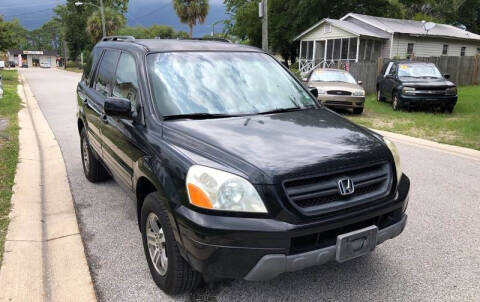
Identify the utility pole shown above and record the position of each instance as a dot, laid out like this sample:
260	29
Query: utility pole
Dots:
263	14
102	15
65	53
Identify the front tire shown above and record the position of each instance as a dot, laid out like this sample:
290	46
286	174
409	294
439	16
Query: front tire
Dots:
396	103
358	110
94	171
379	96
169	270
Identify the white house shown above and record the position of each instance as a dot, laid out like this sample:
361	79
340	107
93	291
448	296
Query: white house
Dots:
357	37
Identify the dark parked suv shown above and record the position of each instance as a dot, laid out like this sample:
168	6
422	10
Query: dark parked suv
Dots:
236	171
410	84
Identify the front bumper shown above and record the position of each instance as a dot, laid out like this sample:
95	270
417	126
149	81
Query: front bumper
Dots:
261	248
270	266
423	101
341	101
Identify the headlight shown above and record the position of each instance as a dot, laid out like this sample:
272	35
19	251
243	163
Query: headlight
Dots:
321	91
451	91
359	93
396	157
218	190
408	90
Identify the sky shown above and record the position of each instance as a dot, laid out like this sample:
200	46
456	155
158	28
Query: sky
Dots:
33	13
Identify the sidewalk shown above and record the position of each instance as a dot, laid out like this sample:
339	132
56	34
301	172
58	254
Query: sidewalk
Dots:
419	142
44	259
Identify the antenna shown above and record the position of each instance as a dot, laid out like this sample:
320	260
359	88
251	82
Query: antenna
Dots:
428	26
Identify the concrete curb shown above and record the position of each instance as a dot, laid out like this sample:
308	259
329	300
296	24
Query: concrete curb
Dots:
44	257
450	149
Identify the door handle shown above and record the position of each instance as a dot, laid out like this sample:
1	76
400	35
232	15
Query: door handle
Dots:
104	118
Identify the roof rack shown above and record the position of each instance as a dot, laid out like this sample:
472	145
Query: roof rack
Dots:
202	39
118	38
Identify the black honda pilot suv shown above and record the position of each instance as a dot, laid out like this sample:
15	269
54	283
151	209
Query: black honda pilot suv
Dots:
236	170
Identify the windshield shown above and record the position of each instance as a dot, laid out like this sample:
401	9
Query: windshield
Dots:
320	75
418	71
222	83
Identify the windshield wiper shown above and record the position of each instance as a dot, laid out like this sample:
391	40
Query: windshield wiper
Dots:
280	110
197	116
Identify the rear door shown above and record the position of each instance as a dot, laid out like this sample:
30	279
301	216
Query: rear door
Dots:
120	149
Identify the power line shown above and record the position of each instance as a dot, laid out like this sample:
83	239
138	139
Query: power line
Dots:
28	13
30	5
134	19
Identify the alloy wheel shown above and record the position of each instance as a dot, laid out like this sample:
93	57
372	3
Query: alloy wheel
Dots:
85	155
157	246
395	103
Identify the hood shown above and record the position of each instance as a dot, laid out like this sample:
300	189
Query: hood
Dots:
427	83
335	86
280	146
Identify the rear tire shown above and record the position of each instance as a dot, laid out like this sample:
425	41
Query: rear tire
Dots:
93	169
449	109
177	276
358	110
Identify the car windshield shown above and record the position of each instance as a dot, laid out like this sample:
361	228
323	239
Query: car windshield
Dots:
320	75
222	83
418	71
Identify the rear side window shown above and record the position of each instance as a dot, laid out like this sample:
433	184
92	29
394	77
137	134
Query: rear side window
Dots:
91	61
105	72
126	82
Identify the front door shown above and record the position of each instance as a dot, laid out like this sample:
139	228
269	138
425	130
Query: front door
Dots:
389	82
120	148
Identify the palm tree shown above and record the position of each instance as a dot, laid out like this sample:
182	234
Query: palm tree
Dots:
113	22
191	12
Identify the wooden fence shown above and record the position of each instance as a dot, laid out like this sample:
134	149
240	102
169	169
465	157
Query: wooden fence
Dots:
462	70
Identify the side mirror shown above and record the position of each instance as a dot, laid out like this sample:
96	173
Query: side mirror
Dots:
360	82
446	76
118	108
313	91
389	76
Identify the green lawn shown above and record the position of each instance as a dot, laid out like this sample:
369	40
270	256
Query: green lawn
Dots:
9	107
461	128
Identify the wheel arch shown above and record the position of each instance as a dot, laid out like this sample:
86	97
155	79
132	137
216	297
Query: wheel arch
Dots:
80	125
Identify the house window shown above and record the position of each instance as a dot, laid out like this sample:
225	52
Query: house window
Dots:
410	49
462	51
327	29
445	49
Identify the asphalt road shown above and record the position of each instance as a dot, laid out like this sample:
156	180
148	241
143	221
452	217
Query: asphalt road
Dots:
437	258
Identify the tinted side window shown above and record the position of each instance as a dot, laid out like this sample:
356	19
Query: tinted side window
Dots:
393	70
106	71
91	61
126	82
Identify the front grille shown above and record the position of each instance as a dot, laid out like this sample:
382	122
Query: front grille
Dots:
339	92
320	193
337	103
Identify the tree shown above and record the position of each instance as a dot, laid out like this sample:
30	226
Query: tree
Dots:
154	31
73	23
191	12
113	22
12	35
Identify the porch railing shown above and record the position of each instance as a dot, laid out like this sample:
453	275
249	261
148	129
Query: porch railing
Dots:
306	66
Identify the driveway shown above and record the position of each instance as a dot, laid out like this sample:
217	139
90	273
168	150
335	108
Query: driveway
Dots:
436	258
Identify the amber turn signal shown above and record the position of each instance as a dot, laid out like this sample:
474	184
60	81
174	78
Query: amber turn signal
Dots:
198	197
